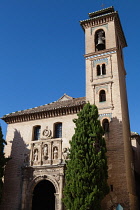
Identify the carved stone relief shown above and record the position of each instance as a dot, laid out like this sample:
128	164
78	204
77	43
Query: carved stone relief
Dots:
47	132
46	152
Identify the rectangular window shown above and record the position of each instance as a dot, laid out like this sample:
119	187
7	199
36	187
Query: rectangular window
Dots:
37	130
58	130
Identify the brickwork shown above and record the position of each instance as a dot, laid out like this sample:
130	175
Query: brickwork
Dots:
22	175
120	161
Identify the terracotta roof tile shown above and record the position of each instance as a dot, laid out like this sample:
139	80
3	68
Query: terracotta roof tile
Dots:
48	107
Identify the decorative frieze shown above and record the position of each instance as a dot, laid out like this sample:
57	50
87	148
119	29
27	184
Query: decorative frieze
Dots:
93	22
95	55
100	61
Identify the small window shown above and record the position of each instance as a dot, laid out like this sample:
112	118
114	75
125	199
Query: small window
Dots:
102	96
103	69
98	70
58	130
105	125
37	130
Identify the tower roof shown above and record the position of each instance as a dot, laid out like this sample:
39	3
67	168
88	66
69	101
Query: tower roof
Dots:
101	12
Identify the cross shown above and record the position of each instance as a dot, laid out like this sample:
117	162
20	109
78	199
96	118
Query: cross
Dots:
103	5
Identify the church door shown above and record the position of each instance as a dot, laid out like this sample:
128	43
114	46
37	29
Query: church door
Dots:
43	196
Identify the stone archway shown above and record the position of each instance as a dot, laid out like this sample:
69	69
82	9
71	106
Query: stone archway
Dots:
44	196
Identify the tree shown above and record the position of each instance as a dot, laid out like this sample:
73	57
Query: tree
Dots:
3	161
86	170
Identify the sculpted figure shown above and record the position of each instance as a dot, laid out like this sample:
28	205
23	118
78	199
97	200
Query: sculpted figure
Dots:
36	155
45	151
65	153
55	153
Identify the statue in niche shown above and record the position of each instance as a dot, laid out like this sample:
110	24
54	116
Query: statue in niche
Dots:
45	151
65	153
55	153
36	155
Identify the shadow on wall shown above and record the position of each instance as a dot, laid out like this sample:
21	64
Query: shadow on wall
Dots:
13	173
116	164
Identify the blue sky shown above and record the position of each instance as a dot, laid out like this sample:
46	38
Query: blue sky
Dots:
42	47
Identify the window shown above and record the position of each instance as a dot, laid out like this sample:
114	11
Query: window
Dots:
98	70
103	69
58	130
37	130
100	40
105	125
102	96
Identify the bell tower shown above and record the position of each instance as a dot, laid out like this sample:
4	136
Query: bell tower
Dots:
106	87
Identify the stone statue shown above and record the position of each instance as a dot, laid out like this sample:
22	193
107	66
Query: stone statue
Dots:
55	153
36	155
65	153
45	150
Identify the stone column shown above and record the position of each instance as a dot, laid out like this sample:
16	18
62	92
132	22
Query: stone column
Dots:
61	191
57	201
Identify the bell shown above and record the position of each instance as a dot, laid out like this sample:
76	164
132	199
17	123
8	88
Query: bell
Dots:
100	42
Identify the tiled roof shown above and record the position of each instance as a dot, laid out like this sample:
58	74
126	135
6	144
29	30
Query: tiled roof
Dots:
48	107
101	12
134	133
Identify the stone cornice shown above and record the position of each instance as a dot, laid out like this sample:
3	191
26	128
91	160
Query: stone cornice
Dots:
101	83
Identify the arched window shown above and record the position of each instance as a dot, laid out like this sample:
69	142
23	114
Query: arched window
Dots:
103	69
98	70
36	132
105	125
102	96
58	130
100	40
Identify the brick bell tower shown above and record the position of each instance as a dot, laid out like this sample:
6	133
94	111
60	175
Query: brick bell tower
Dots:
106	87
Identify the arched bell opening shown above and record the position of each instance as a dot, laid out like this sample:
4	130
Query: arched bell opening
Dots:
44	196
100	40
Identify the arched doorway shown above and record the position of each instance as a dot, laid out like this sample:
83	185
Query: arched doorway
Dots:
43	196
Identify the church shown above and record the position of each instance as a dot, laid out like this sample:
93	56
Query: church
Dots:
38	138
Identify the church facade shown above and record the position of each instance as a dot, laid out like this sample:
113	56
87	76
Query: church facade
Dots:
38	138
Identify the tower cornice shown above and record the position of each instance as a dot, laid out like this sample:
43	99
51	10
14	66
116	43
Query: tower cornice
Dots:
96	21
100	53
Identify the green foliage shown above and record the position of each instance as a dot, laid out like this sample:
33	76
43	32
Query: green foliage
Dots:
3	161
86	170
